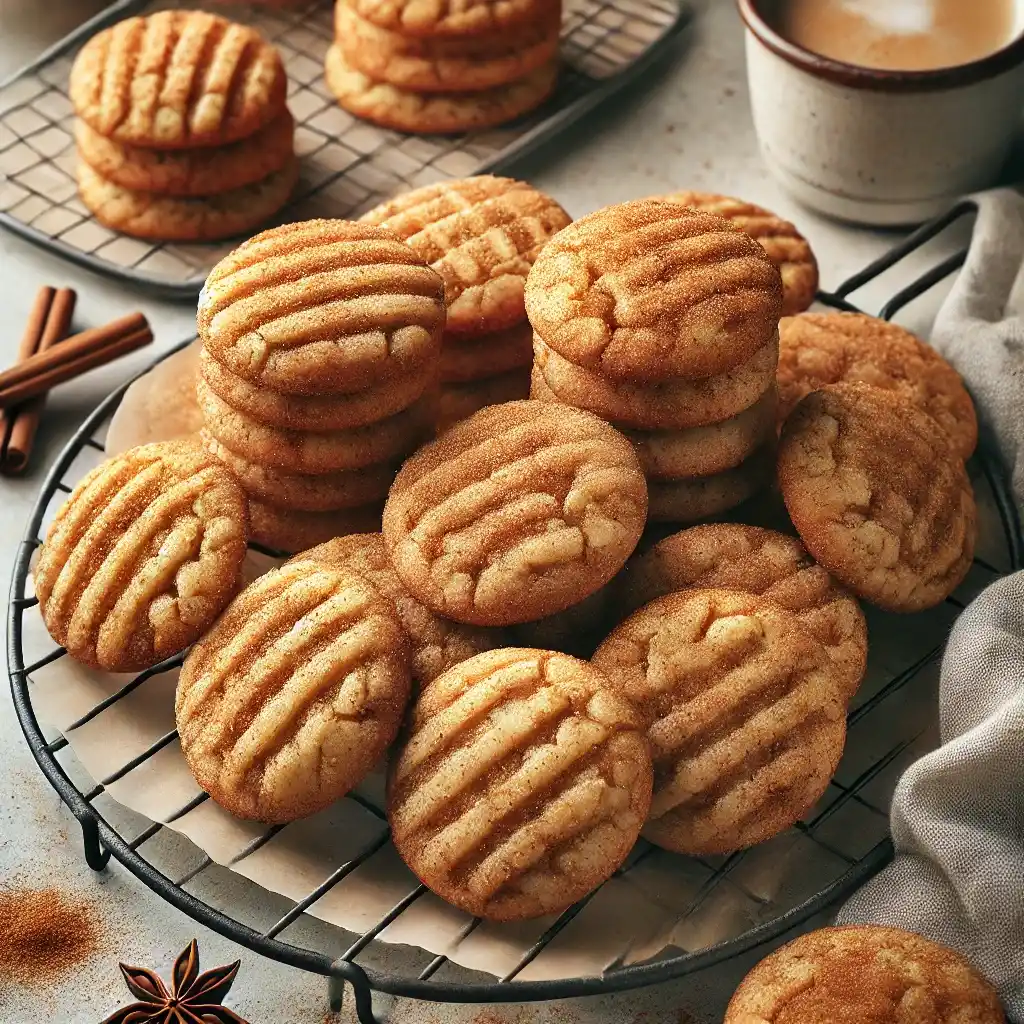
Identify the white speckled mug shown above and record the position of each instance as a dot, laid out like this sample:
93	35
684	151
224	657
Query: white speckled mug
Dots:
879	147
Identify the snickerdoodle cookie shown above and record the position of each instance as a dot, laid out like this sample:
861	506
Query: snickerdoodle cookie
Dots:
521	784
452	18
516	513
646	291
294	694
192	172
745	717
437	644
878	495
458	402
864	974
785	246
186	218
321	306
481	235
290	530
438	113
679	404
143	556
691	499
489	355
828	348
735	557
177	80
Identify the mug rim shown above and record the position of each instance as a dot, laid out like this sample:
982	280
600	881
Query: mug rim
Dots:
879	79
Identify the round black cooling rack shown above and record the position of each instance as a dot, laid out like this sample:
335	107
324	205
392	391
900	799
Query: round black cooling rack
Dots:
434	980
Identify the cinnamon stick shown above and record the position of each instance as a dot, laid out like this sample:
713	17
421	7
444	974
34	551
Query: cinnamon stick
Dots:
18	449
43	371
30	339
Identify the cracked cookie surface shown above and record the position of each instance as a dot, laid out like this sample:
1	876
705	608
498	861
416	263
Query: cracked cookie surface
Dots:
520	785
646	291
864	974
516	513
759	561
143	556
294	694
745	717
831	348
451	18
878	495
321	306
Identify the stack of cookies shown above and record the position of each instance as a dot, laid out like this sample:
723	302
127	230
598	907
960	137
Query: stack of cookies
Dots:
664	321
431	67
182	132
321	348
481	235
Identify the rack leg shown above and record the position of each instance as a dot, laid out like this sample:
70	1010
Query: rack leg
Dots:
343	971
95	856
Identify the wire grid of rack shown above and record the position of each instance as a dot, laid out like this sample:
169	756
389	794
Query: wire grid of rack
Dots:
848	828
347	165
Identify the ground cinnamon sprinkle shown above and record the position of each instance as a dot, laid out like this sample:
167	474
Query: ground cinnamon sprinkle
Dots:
43	934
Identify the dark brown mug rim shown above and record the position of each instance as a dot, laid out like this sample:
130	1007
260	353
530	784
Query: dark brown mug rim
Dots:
878	79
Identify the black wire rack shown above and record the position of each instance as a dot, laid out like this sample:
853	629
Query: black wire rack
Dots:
856	851
347	166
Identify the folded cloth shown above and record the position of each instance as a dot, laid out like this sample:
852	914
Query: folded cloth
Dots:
958	813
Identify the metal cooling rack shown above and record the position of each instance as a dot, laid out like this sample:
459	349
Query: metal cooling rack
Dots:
347	165
754	895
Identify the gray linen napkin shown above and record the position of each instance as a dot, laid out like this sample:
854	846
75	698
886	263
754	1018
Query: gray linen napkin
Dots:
958	813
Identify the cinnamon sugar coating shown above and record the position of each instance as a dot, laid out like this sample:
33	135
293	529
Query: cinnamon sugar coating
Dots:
451	18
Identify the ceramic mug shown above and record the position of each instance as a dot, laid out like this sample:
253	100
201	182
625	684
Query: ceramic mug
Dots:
873	146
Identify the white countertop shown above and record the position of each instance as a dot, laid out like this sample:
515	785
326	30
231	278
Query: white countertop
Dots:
687	127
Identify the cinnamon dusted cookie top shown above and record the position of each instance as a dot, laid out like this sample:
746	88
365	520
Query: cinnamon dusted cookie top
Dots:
515	513
437	643
759	561
481	235
294	694
878	495
829	348
456	18
177	80
143	556
649	290
521	784
322	306
864	974
780	239
746	718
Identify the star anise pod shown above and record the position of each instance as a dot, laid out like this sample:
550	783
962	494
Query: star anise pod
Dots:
194	998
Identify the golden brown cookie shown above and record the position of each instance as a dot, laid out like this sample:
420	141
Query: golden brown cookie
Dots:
305	492
143	556
177	80
329	451
445	18
746	719
426	64
318	412
437	644
521	784
435	113
191	172
295	694
322	306
678	404
516	513
735	557
460	401
186	219
489	355
691	499
481	235
864	974
646	291
878	495
829	348
785	246
291	530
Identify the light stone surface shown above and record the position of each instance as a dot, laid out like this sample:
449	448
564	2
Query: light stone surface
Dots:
688	126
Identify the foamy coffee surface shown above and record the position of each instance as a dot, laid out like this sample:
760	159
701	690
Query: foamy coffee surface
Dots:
900	35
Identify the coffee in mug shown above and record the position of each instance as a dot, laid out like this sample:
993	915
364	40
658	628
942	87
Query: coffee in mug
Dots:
900	35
